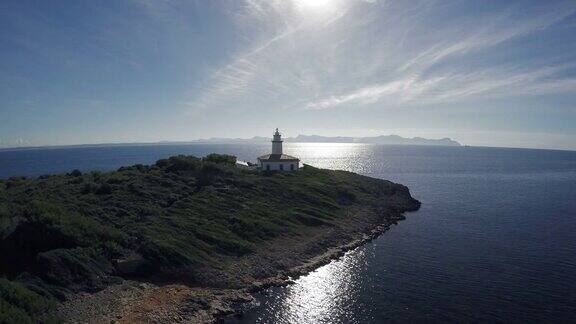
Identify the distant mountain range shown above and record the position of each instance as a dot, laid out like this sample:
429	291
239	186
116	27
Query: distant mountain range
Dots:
382	139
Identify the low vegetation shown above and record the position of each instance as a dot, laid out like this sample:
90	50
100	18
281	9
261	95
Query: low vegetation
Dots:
72	232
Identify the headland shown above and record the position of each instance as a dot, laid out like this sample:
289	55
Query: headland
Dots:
184	240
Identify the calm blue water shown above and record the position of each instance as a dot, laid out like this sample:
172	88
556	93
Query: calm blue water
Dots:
494	241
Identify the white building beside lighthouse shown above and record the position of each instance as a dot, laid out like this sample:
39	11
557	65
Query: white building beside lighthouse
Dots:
277	161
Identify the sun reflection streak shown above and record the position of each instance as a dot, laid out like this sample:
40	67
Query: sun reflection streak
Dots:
324	295
336	156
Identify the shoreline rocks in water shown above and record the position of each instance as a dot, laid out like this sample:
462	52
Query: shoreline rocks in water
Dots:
167	243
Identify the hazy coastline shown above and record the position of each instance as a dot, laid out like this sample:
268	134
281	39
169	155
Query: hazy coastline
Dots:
384	139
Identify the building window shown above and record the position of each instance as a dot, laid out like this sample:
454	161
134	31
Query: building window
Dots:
268	167
281	166
292	167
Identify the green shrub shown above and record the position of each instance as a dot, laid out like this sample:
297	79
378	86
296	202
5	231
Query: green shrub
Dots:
14	182
346	196
96	176
162	163
21	305
104	189
211	168
220	158
89	188
57	223
77	180
183	163
75	173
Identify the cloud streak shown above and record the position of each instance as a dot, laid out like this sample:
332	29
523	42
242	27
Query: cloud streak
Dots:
485	84
353	57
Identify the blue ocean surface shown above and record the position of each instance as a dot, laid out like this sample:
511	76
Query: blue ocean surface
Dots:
494	241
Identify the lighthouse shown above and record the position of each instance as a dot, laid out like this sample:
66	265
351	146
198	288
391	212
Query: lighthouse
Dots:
278	161
277	143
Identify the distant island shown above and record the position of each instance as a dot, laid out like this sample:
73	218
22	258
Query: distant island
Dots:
382	139
185	239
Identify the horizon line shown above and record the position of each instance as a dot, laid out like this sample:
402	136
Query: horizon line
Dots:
196	141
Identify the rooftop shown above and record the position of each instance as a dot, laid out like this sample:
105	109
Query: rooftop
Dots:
277	157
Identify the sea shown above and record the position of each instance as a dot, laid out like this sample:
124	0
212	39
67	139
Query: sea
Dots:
494	240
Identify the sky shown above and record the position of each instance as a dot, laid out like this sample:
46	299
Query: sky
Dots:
491	73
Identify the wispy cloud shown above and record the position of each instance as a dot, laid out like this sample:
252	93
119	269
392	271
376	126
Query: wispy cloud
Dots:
490	83
365	52
265	66
493	31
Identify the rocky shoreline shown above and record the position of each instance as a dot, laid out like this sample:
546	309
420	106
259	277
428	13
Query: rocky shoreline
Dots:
138	302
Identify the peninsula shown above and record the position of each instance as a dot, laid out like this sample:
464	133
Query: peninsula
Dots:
186	239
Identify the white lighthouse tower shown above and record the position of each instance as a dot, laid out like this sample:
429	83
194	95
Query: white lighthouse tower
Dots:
277	143
278	161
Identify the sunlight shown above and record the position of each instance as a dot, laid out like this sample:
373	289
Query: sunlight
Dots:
316	5
324	295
